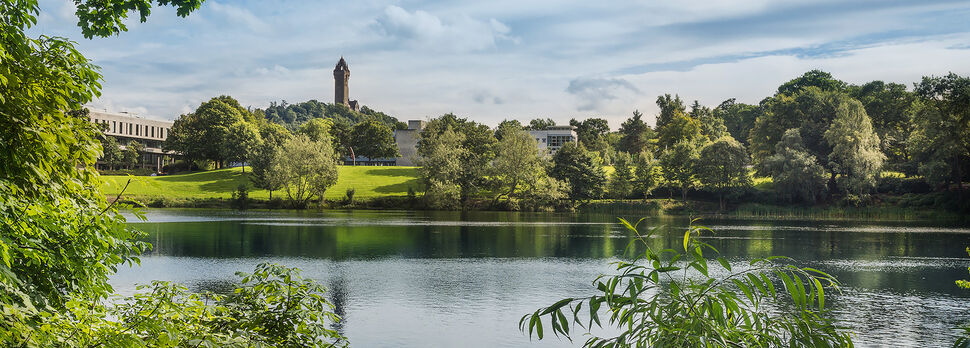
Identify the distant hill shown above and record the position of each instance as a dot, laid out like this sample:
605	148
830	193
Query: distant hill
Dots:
293	115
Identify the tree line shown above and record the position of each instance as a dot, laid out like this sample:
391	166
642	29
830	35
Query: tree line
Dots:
817	138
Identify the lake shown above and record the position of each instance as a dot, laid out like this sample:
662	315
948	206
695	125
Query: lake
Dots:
453	279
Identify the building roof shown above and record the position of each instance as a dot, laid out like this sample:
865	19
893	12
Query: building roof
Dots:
341	65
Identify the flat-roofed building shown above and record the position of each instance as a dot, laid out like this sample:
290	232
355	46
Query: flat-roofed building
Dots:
553	138
125	128
407	143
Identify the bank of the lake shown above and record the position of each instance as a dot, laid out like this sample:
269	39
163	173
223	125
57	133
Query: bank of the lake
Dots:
388	188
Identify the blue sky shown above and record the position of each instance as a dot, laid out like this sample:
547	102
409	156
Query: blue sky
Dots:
492	60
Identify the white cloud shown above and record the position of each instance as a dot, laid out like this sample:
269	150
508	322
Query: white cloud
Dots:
239	15
460	33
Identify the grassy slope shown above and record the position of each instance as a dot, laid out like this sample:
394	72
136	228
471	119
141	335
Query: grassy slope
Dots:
368	181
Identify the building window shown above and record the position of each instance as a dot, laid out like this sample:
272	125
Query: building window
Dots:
153	132
129	129
114	126
559	140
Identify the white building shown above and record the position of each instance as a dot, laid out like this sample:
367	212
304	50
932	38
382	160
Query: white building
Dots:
126	128
407	142
554	137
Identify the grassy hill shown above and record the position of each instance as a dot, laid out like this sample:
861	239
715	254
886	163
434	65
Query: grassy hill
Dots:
368	181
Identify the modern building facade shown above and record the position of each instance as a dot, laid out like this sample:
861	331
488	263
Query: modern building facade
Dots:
552	138
341	86
407	142
126	128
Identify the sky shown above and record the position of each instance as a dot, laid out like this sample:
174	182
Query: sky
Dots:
511	59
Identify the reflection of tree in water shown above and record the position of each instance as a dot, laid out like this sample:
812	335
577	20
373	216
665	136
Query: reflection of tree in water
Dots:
337	292
218	286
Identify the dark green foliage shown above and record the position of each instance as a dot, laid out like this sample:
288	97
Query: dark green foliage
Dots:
889	106
621	183
540	124
349	196
669	107
738	118
373	139
293	115
681	128
797	175
473	155
814	78
647	174
940	143
679	164
240	198
507	126
669	298
712	125
723	168
210	133
581	170
635	135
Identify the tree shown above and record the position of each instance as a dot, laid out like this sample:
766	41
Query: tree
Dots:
944	124
889	106
246	140
581	170
441	166
373	139
132	153
206	133
477	142
647	173
712	125
655	302
518	165
795	171
814	78
855	152
61	238
621	183
738	118
317	129
273	137
635	135
506	127
111	153
591	129
723	167
678	164
680	128
540	124
669	107
304	168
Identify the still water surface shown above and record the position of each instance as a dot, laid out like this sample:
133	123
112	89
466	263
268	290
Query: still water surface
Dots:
448	279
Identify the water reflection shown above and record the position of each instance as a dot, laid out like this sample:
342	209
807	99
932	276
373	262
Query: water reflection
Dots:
447	279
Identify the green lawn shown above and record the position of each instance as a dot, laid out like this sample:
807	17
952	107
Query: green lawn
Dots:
368	181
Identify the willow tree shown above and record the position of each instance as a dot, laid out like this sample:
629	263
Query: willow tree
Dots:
855	155
518	164
304	168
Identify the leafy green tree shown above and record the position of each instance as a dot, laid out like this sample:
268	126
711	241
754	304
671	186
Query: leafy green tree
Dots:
796	173
205	133
273	137
317	129
581	170
621	183
738	118
635	134
680	129
647	173
855	155
441	166
246	140
679	165
340	133
889	106
373	139
814	78
591	129
942	137
111	153
654	302
60	238
723	168
132	154
540	124
477	142
518	165
669	107
293	115
506	127
304	168
712	125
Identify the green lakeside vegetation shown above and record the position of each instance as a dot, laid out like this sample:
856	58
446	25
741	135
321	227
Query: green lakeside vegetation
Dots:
61	239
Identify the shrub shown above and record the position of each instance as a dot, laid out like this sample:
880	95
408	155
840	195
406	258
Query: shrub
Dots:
240	198
349	197
670	299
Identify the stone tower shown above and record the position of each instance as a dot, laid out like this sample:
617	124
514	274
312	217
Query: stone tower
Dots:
341	79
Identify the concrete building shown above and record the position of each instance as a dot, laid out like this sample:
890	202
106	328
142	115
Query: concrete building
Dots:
407	142
554	137
125	128
341	85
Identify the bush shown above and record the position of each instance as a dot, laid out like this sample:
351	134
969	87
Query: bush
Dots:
897	185
179	166
670	299
240	198
349	197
